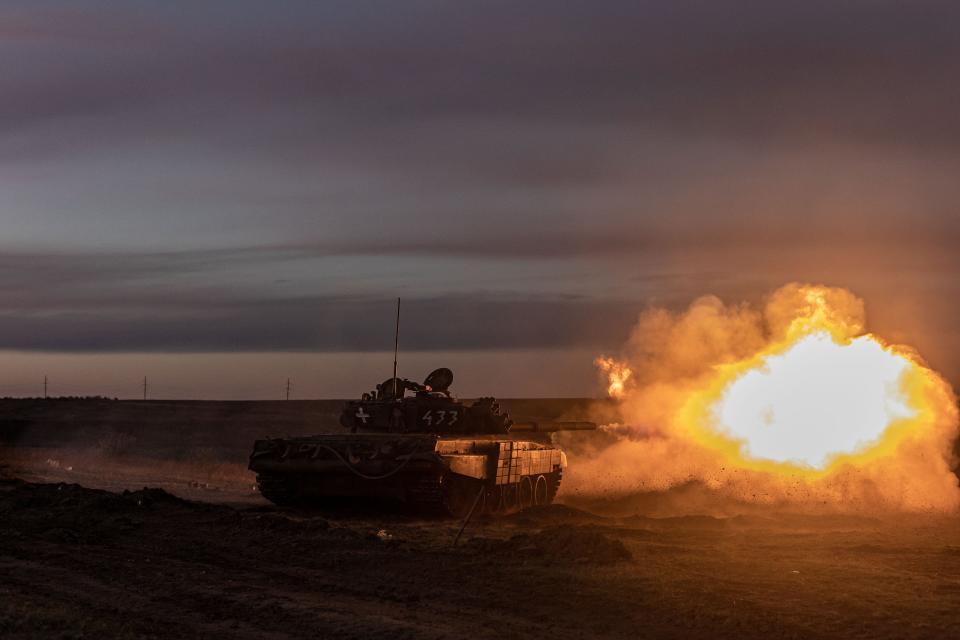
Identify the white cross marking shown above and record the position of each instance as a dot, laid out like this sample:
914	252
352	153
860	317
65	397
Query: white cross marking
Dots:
362	415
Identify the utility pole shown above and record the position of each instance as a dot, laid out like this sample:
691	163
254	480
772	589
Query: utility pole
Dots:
396	348
144	387
44	387
288	388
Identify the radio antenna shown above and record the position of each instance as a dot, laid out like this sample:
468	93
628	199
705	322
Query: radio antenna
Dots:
396	348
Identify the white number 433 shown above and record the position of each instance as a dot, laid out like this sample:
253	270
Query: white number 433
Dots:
438	418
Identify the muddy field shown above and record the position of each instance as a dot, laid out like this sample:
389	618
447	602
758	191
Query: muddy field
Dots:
85	551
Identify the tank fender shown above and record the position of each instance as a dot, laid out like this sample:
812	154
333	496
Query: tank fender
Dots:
472	466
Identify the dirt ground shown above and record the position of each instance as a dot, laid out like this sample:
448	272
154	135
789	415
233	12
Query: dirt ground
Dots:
86	552
86	563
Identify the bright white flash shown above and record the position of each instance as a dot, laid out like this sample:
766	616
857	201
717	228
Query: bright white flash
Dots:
817	399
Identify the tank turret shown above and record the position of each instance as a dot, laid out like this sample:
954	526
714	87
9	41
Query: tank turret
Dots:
402	406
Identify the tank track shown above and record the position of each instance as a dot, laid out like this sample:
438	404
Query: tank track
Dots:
277	489
425	493
553	485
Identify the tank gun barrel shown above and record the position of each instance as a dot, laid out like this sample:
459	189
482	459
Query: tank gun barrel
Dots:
551	426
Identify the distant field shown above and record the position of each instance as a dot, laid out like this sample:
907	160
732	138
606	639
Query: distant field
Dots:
198	449
227	429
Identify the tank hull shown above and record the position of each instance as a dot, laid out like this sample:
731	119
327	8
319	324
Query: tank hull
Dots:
431	473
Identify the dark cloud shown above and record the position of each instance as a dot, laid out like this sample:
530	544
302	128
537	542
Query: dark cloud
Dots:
325	324
221	175
118	302
748	68
439	118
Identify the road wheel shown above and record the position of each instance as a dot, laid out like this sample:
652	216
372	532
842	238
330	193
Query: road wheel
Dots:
511	498
540	493
526	493
497	504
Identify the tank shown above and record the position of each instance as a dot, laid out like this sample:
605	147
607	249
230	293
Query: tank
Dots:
419	444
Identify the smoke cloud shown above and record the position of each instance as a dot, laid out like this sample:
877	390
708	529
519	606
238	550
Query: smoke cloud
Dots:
674	356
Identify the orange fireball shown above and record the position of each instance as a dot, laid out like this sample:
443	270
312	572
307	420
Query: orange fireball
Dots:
792	404
818	397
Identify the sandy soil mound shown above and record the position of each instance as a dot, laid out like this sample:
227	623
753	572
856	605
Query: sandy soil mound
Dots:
553	514
563	543
73	514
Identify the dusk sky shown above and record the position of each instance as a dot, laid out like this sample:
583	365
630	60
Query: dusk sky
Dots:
220	195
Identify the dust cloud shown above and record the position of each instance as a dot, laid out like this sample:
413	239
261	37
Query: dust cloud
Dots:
676	358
